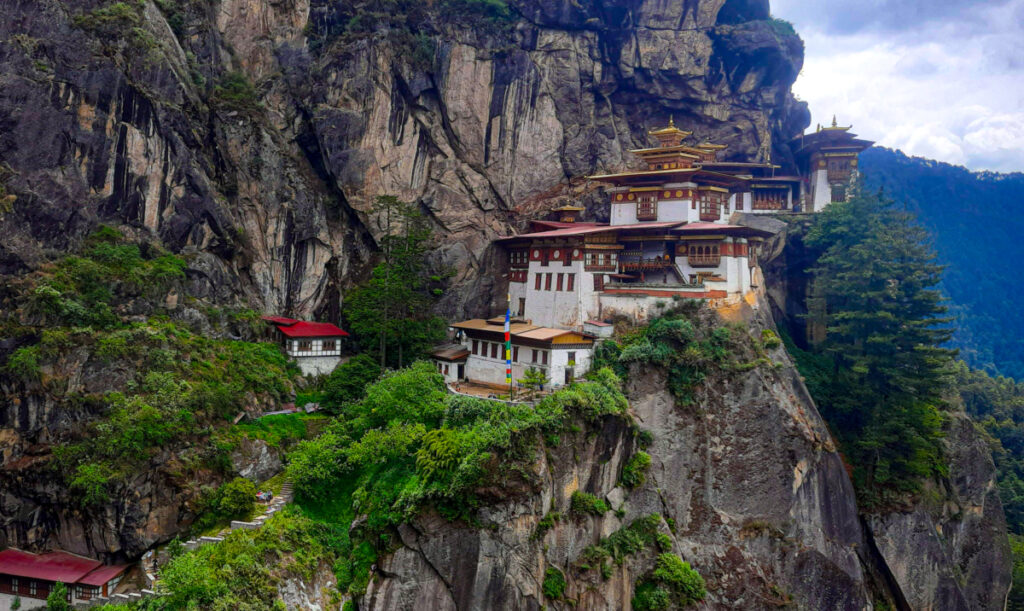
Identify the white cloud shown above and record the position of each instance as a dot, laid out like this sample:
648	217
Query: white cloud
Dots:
941	87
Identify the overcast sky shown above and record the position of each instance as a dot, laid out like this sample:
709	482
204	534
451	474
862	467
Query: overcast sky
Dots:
942	79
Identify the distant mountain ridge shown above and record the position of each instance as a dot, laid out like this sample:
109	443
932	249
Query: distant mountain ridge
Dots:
977	222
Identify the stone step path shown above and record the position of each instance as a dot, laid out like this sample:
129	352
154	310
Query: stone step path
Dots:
152	582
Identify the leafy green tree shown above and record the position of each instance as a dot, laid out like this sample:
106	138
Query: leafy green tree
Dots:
237	498
348	381
390	314
58	598
534	379
873	290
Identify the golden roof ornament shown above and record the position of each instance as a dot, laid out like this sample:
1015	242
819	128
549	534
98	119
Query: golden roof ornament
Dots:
669	136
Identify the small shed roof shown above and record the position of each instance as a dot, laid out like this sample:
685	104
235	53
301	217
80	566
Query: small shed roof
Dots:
279	320
302	328
51	566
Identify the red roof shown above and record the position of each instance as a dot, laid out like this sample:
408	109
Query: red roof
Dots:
103	574
52	566
581	229
279	320
302	328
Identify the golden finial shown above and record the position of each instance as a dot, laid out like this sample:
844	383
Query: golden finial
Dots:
834	122
819	128
671	123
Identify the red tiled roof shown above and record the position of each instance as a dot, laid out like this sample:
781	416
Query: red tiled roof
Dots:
302	328
721	228
279	320
581	229
52	566
103	574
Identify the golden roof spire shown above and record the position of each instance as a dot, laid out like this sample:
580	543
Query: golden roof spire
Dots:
671	135
834	122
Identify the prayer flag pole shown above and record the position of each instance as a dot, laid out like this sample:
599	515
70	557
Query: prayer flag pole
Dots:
508	344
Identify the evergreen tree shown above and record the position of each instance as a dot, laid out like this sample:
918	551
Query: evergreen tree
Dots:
58	598
390	314
873	291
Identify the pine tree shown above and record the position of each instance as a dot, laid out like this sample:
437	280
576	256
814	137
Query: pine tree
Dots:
874	290
390	314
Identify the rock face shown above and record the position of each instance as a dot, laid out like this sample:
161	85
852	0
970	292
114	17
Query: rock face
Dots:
271	196
761	506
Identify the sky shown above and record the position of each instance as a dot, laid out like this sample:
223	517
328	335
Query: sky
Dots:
942	79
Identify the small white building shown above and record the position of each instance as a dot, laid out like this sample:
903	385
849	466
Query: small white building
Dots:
314	346
563	355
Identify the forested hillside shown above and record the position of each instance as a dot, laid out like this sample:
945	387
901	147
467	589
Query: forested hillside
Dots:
977	228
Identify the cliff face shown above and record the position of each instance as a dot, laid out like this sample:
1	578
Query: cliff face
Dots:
131	118
758	499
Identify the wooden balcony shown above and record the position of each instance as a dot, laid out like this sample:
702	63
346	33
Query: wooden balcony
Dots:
604	267
704	260
645	265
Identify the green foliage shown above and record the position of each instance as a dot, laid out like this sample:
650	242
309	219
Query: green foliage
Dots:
686	584
651	597
58	598
237	499
390	314
16	603
534	378
185	382
979	260
679	343
554	583
349	380
234	574
782	28
583	503
634	472
883	393
626	541
664	542
769	339
1015	600
235	92
408	443
546	523
24	363
118	26
278	430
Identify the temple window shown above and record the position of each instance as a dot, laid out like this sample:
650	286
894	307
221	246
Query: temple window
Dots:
839	193
647	207
305	345
600	260
547	281
709	205
570	282
598	282
476	346
536	284
558	284
328	345
703	255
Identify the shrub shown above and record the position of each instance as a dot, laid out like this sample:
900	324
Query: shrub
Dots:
348	381
686	584
546	523
237	498
651	597
24	363
770	340
91	482
58	598
664	542
634	472
582	503
236	92
554	583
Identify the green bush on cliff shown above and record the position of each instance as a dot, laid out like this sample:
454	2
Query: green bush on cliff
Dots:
554	583
409	444
586	504
634	472
678	343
